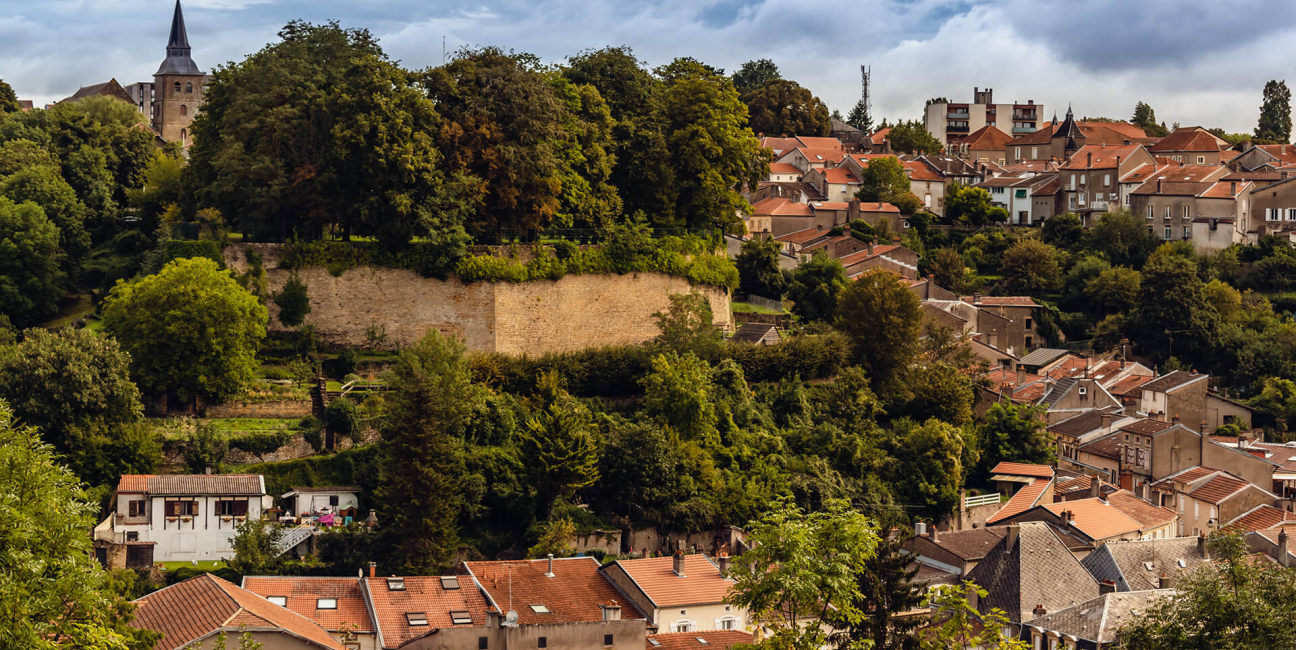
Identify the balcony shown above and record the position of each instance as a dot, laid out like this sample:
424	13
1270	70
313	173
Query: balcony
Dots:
1029	117
956	129
957	115
1024	129
1098	204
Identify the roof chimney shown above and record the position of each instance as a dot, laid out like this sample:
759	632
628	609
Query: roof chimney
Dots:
1010	540
1203	430
1106	587
1165	582
722	562
550	573
1232	188
373	569
920	529
1175	419
611	611
1201	546
1284	558
1106	419
1021	375
1039	611
934	533
679	564
1095	486
1089	159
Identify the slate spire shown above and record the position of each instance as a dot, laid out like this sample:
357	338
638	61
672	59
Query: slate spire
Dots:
177	59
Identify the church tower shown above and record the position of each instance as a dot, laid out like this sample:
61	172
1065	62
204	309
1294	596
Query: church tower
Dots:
179	86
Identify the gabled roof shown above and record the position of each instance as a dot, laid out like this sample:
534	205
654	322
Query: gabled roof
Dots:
1035	569
1106	447
426	595
1086	422
1099	620
838	175
108	88
1189	138
1174	380
1131	386
1001	301
655	577
713	640
1104	156
1261	517
575	592
969	545
1147	514
302	594
781	206
1146	426
1218	488
1095	517
986	138
880	135
866	254
784	168
918	170
1043	357
1057	390
1225	190
815	142
203	606
1026	498
825	156
802	236
1023	469
1138	564
754	332
192	484
779	145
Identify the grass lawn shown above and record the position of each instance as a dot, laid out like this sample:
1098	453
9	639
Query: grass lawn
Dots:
70	309
748	308
230	425
208	565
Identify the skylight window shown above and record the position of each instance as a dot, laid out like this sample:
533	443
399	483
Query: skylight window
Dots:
281	601
1182	564
416	619
702	640
395	584
655	643
326	603
460	618
540	609
449	582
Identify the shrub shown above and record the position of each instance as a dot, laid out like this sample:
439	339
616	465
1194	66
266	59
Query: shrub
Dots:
313	432
180	248
206	449
260	443
293	301
343	418
346	363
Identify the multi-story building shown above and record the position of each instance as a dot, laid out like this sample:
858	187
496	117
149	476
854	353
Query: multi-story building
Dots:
1089	180
1056	141
950	122
1191	145
182	517
177	86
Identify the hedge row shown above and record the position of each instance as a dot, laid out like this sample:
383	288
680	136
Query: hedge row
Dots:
357	467
615	371
184	248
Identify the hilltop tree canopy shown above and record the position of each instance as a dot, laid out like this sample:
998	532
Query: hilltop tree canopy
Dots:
1275	122
754	75
783	107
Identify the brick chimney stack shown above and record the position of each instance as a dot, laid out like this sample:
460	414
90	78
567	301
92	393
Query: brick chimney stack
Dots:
679	564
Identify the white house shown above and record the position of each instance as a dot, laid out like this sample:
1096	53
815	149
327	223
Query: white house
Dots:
319	500
186	516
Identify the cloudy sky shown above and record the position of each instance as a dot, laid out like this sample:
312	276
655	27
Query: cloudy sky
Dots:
1196	61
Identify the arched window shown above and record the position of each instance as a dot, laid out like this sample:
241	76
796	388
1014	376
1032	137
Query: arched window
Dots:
184	110
184	133
188	87
177	87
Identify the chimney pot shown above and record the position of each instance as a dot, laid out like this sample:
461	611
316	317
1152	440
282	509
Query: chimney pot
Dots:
1039	611
1175	419
679	564
934	533
611	611
1107	587
1010	540
373	569
1095	486
1166	581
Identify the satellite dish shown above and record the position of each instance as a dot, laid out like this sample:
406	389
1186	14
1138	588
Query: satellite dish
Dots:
511	618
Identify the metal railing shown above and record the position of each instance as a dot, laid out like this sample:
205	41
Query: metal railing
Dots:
984	499
294	536
1024	129
957	115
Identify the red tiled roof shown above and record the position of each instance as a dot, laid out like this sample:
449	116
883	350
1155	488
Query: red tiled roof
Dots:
1001	375
880	135
1030	392
1024	500
920	171
193	484
838	175
574	593
802	236
864	158
201	606
1095	517
1147	426
1148	515
1106	446
784	168
1262	517
780	144
133	483
866	254
1283	152
878	207
986	138
1023	469
715	640
812	142
1190	138
1129	386
1218	488
780	206
830	205
303	592
1104	156
1225	190
426	595
1190	475
816	156
656	577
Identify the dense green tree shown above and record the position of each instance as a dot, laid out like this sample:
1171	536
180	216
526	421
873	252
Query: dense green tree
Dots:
1114	291
687	67
913	137
30	263
1145	118
679	394
958	625
860	118
815	287
1123	238
887	590
1077	278
1015	433
1173	318
940	390
555	540
927	469
712	150
559	446
256	548
8	99
782	107
589	198
1030	267
754	75
971	206
55	595
427	410
45	187
190	330
293	301
884	179
342	417
803	566
205	450
948	270
20	154
1063	230
758	269
640	470
884	320
1275	122
687	325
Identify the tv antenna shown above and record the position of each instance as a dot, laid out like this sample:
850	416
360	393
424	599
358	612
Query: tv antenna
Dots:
511	618
866	74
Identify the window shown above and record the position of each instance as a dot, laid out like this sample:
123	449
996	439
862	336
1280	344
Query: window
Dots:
1196	512
1029	341
184	110
1084	391
607	639
1149	212
234	508
1084	180
281	601
683	612
1017	154
189	87
416	618
333	500
1167	232
1034	152
655	643
1126	197
1201	160
481	643
1185	212
1213	515
449	582
1187	232
728	623
132	536
177	87
542	642
181	508
184	133
1167	212
1181	507
135	508
702	640
1106	180
540	609
1291	214
1028	322
395	584
683	626
326	603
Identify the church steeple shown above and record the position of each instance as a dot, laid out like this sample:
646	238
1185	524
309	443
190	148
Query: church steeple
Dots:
177	59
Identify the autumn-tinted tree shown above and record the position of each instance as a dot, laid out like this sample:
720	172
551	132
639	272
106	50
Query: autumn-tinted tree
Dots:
426	411
1275	122
1030	267
191	330
785	107
758	269
884	320
753	75
815	287
913	137
30	263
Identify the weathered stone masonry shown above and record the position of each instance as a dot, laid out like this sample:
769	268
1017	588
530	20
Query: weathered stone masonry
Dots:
578	311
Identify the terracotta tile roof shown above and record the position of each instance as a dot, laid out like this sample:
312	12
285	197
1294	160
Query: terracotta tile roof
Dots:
656	577
1173	380
1138	564
574	593
1225	190
1001	301
986	138
814	142
1229	154
864	158
1050	187
866	206
920	171
866	254
802	236
1104	156
781	206
1146	426
1076	484
424	594
784	168
1261	177
1002	376
1188	476
1094	133
818	156
1262	517
202	606
780	144
1031	166
880	135
1283	152
303	592
1131	386
830	205
1218	488
715	640
1031	392
192	484
1145	513
1189	138
1023	469
1106	446
838	175
1095	517
1025	499
1038	569
1100	620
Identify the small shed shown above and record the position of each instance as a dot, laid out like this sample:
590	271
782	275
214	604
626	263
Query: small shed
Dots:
758	334
339	500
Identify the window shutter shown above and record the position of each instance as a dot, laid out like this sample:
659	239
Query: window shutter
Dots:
240	508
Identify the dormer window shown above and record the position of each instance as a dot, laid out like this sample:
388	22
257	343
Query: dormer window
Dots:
449	582
395	584
460	618
281	601
416	619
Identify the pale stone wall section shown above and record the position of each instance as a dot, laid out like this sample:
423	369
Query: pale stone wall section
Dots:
576	312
